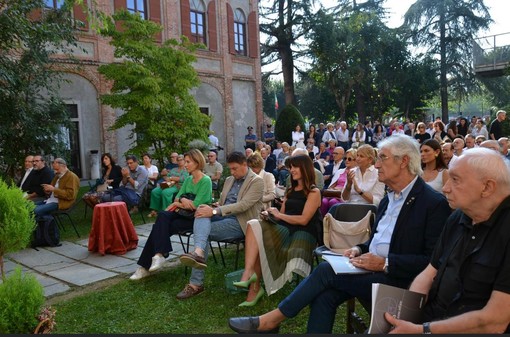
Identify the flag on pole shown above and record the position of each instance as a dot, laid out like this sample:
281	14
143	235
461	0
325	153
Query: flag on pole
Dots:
276	106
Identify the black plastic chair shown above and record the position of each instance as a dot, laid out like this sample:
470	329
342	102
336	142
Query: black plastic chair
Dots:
65	212
351	212
348	212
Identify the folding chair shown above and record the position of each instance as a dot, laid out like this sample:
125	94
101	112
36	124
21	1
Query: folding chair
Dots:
65	212
350	213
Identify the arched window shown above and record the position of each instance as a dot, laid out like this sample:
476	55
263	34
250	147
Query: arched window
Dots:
54	4
239	32
137	7
197	21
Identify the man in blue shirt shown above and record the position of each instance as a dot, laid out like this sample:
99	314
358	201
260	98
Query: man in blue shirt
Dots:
250	139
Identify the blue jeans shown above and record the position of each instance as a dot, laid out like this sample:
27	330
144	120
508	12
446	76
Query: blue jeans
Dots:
324	291
215	228
42	208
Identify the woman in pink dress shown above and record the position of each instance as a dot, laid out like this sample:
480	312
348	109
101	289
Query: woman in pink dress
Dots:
338	182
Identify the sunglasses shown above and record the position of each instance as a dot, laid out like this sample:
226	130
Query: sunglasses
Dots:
349	159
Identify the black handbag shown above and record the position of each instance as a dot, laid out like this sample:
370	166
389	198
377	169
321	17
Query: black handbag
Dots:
186	213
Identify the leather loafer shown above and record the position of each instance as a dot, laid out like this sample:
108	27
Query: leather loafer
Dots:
248	325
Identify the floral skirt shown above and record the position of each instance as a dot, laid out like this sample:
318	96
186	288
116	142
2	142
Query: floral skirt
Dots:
282	253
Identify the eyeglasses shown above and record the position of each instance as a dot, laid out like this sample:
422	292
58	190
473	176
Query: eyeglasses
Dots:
349	159
336	153
210	156
382	157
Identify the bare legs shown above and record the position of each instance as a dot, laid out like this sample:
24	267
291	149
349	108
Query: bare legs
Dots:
251	263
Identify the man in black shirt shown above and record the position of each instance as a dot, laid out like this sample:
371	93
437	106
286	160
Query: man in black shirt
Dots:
42	175
467	282
495	131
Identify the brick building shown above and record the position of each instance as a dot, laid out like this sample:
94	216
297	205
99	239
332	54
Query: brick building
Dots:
229	71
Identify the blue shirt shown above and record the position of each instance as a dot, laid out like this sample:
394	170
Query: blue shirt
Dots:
380	244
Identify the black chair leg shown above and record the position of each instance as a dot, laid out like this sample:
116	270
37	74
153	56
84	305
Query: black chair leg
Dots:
72	224
221	254
212	252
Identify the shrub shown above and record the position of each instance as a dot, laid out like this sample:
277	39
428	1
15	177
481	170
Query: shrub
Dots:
286	123
16	220
199	145
21	298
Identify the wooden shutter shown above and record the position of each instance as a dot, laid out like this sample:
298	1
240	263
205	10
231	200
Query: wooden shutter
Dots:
213	36
230	23
253	35
80	14
155	15
185	20
117	5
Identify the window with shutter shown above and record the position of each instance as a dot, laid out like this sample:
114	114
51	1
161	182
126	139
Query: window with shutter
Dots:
197	21
239	32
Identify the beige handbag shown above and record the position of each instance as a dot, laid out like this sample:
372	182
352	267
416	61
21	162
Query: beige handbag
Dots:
102	188
342	235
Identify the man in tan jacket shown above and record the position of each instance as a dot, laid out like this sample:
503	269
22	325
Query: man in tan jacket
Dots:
62	190
241	200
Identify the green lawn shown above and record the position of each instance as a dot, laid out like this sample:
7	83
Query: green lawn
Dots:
150	306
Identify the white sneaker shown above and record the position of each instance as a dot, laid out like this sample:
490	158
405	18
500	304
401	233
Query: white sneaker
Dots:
140	273
157	262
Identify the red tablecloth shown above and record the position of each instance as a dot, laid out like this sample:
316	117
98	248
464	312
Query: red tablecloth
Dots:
112	229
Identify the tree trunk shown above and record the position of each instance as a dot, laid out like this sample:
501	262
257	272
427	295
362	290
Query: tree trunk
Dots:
443	69
288	73
360	103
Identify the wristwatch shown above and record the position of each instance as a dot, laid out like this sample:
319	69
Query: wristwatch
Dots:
426	328
361	192
385	269
215	211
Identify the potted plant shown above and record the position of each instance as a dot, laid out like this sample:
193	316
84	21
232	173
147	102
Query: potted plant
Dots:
21	296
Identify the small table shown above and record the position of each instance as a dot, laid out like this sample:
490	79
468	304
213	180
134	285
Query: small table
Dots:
112	229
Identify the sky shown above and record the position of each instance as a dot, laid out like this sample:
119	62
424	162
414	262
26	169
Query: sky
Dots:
499	10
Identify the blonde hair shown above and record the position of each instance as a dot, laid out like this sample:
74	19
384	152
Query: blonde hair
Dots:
255	161
368	151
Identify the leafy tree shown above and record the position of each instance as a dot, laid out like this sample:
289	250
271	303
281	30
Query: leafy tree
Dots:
286	123
270	89
447	29
356	56
283	23
32	113
152	85
416	83
316	101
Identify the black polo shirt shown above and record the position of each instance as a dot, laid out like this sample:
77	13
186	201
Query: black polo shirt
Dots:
472	261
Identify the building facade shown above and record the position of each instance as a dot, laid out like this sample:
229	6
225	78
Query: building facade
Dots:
228	68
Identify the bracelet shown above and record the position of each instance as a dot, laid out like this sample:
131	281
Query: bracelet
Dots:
426	328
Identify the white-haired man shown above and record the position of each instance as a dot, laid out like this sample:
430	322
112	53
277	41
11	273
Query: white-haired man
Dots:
495	130
467	282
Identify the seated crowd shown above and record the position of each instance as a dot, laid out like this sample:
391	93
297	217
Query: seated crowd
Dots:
442	195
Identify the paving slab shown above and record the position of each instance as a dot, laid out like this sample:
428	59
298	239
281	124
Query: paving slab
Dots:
107	261
133	254
55	289
43	260
81	274
71	250
127	269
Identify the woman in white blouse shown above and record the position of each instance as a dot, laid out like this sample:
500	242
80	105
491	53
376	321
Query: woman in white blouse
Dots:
151	169
256	163
359	135
363	185
298	137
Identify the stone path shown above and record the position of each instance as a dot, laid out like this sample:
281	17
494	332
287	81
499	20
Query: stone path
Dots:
71	266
